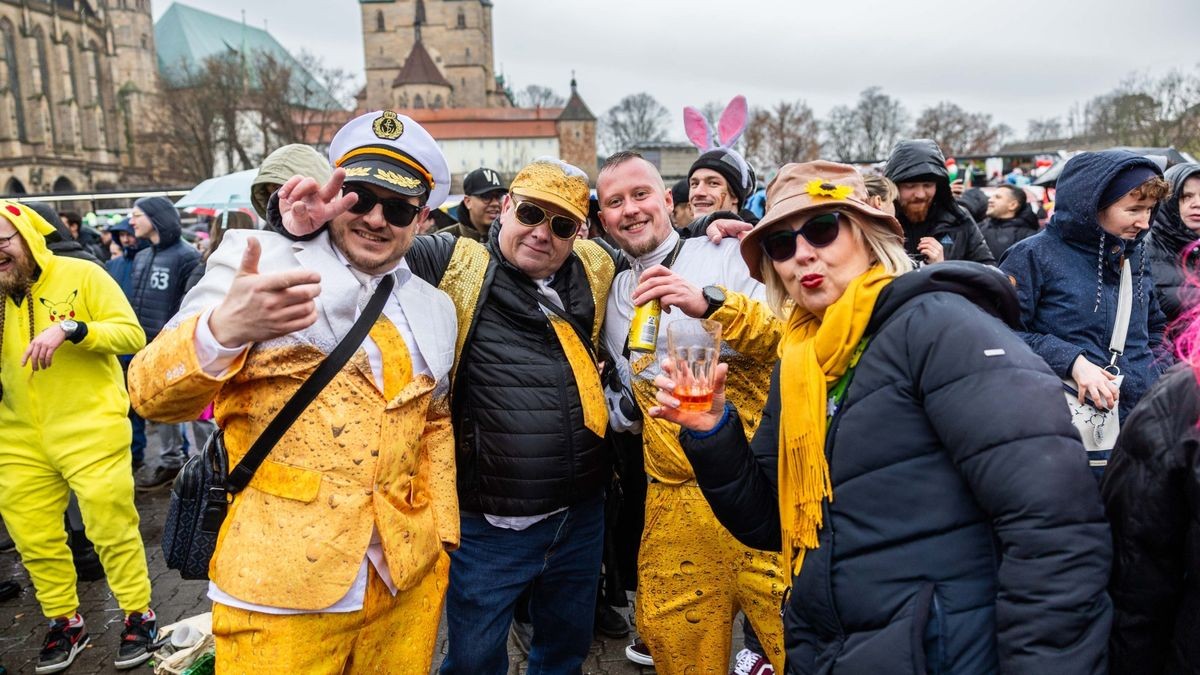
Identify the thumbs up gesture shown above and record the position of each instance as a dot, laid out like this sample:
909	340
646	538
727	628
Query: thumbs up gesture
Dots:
261	306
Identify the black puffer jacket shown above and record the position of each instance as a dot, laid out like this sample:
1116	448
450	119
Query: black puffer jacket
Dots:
522	448
946	221
1000	234
966	533
1152	495
1167	240
161	272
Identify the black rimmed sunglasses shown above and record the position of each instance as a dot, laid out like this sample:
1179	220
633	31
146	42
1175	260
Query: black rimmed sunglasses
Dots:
532	215
819	231
397	212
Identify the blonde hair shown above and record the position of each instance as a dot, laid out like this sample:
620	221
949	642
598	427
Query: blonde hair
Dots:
886	248
881	187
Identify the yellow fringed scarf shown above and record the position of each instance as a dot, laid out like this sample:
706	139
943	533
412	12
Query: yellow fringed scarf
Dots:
814	354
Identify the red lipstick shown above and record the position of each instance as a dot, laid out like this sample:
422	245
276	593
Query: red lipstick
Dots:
811	280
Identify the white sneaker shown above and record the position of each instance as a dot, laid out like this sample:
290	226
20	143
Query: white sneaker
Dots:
751	663
639	653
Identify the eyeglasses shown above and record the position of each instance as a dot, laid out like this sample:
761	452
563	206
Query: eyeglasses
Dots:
820	231
532	215
5	242
397	212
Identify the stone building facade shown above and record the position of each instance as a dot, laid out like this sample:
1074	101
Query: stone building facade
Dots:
454	36
73	74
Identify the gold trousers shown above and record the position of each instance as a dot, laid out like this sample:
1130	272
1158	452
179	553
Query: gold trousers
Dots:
34	487
390	634
693	577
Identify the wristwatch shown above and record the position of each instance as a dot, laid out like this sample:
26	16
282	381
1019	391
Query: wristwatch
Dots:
715	297
73	329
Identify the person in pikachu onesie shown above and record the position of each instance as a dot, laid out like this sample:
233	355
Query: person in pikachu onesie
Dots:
63	414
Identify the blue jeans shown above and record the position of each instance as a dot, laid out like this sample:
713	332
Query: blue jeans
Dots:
557	558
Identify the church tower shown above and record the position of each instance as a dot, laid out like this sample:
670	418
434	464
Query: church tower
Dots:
456	38
134	73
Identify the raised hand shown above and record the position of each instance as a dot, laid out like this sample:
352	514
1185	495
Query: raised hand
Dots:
668	405
264	306
305	206
671	290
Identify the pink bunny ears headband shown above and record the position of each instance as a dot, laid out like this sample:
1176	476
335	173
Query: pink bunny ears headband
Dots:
729	128
718	154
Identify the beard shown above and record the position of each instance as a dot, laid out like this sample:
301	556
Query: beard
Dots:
371	265
916	212
17	280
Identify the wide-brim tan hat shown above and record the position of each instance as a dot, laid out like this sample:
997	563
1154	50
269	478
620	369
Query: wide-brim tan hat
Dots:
813	188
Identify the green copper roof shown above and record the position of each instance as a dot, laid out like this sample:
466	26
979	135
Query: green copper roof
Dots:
185	37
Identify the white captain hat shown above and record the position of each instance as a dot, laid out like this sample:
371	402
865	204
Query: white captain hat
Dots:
392	151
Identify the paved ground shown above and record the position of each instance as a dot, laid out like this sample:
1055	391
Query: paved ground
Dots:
22	626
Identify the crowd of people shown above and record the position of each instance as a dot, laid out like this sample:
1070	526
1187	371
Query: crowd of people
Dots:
910	463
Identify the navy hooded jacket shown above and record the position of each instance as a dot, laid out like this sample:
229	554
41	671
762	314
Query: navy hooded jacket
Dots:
1168	239
965	535
161	271
1068	278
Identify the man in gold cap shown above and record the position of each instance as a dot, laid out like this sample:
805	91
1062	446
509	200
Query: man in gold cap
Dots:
530	421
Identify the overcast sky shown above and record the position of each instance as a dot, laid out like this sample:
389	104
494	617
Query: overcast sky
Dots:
1015	59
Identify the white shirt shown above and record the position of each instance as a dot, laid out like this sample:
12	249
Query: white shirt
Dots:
700	262
215	359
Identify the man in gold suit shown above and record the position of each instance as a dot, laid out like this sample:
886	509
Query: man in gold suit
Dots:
334	558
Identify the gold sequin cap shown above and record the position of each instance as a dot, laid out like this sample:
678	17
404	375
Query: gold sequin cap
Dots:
556	183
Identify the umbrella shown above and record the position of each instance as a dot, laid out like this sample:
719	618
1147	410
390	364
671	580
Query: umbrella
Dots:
224	191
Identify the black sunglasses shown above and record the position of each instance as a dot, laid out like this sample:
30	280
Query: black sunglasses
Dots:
820	231
532	215
397	212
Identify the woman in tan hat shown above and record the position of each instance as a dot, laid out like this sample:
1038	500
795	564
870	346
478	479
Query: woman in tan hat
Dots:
914	464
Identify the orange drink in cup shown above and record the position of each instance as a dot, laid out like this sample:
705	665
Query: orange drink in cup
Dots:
694	347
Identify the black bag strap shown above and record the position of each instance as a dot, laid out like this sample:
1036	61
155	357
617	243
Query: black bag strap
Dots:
241	474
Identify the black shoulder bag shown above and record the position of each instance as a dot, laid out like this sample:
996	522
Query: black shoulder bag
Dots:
202	490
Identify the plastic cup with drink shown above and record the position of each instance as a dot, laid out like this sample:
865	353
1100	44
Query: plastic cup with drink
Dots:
694	347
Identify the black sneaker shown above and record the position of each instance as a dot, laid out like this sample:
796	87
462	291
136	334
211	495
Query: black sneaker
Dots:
140	631
610	623
155	478
67	637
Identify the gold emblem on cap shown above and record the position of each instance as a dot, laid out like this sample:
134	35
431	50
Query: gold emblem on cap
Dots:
358	171
387	126
397	178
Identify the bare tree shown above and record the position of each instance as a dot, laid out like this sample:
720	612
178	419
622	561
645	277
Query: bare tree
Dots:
959	132
228	112
196	126
537	96
300	102
634	120
1046	129
786	132
1149	111
881	120
867	131
841	133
